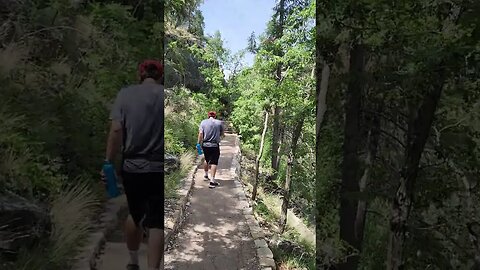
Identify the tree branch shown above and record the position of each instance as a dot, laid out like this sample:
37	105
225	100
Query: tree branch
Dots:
392	137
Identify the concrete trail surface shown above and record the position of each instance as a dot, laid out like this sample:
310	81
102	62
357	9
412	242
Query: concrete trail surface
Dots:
115	254
215	234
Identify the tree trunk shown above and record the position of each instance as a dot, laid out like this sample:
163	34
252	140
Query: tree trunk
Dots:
276	140
373	137
291	158
277	111
286	194
322	98
417	135
259	156
351	163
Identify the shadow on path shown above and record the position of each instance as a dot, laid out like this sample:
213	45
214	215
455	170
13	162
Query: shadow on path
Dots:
115	255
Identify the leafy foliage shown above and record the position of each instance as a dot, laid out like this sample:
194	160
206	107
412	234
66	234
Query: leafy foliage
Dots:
411	49
260	89
62	63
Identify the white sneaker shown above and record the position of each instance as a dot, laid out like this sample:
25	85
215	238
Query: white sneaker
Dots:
213	184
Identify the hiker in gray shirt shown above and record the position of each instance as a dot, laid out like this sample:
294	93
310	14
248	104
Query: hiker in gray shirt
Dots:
137	129
210	133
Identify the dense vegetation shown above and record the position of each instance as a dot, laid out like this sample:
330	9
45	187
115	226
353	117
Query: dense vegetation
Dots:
398	169
61	64
397	138
280	84
191	74
274	113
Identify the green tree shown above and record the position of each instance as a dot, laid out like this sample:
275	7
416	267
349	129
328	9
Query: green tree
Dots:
406	63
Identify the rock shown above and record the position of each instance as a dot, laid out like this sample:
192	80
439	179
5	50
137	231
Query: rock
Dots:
286	246
22	224
260	243
266	262
172	163
191	77
264	252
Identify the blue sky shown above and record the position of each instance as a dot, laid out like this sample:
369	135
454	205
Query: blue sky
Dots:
236	19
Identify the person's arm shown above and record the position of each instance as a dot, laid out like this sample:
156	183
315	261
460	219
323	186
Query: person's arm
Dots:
115	134
200	134
200	137
114	140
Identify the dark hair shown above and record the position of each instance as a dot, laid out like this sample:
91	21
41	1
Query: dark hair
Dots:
151	71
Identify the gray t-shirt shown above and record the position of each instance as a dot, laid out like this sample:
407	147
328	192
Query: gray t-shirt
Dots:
139	108
211	129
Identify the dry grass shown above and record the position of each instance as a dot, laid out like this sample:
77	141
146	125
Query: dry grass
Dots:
186	160
173	180
71	214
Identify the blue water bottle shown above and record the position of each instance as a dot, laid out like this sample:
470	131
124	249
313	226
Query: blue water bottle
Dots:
109	172
199	149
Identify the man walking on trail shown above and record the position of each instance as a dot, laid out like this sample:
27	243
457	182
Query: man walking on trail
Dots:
210	133
137	125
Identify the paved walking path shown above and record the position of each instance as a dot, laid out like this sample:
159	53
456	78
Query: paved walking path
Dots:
115	254
215	234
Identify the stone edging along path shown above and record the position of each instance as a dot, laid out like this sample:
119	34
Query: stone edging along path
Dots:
264	253
116	208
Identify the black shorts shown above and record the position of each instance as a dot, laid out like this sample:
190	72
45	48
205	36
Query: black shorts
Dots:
212	154
144	192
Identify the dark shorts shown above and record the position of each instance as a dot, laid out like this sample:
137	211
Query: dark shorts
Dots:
144	192
212	154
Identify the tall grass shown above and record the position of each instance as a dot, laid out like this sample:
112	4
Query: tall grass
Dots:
71	214
173	180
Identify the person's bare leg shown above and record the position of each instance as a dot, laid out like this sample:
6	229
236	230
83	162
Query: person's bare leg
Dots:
205	168
155	249
214	171
134	236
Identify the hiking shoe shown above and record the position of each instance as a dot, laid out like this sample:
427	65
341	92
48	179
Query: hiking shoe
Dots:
214	184
133	267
